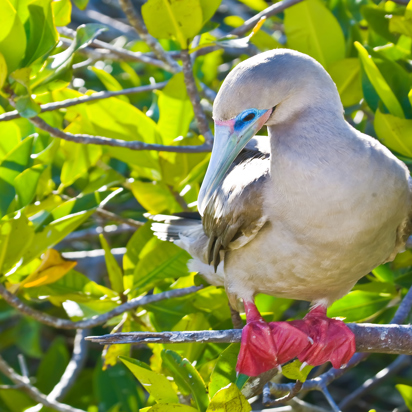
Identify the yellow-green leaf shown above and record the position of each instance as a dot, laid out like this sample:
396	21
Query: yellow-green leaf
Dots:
229	399
113	269
293	370
155	383
406	392
378	82
311	28
62	10
394	132
346	74
173	19
170	407
3	70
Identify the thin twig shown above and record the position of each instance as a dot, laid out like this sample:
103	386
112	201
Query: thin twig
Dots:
106	141
14	301
393	369
236	319
329	398
136	21
48	107
71	372
268	12
124	53
105	214
268	402
190	82
33	392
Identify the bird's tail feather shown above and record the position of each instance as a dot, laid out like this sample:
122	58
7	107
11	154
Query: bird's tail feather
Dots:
169	228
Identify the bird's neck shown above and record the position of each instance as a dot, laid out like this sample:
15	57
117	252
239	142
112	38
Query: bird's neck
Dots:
311	134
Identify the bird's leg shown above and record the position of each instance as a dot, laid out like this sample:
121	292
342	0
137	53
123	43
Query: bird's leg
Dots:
265	346
332	340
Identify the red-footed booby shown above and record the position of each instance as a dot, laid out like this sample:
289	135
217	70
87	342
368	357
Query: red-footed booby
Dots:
303	213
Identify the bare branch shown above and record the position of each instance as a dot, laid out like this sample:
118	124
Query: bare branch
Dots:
127	54
268	12
14	301
329	398
106	141
33	392
200	116
105	214
394	368
268	402
137	22
48	107
395	339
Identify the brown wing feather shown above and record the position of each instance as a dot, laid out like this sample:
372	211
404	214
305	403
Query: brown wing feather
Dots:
235	214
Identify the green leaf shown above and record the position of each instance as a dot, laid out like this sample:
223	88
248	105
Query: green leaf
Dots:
378	20
383	273
187	376
109	82
12	36
62	10
257	5
312	29
81	4
52	365
16	235
26	184
156	384
293	370
346	74
379	83
3	71
176	111
229	399
43	34
163	261
173	19
400	24
113	269
209	8
394	132
11	166
406	392
224	372
359	305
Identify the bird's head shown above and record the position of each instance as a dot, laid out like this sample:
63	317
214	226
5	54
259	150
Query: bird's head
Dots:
266	89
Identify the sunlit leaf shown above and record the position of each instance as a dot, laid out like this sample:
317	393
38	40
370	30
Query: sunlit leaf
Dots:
295	371
229	399
62	10
312	29
113	269
156	384
406	392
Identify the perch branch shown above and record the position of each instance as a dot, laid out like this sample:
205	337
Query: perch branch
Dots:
55	322
200	116
106	141
268	12
105	214
48	107
394	339
136	21
24	385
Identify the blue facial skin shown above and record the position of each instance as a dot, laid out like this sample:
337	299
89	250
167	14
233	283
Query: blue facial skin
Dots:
246	117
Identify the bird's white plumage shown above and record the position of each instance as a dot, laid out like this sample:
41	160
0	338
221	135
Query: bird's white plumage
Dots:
333	203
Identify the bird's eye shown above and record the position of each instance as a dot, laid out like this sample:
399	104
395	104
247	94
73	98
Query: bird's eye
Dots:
249	117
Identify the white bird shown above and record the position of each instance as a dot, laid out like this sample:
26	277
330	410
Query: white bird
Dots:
303	213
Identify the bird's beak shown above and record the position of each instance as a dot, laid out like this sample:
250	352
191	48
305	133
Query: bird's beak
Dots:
227	145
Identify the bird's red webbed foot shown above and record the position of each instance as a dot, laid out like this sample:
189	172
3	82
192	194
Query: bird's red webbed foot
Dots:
267	345
332	340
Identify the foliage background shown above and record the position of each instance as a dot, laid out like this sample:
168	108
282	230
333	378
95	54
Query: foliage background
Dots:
54	192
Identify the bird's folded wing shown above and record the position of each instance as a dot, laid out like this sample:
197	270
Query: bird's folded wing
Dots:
235	214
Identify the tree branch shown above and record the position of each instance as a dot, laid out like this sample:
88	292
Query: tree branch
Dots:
394	368
48	107
106	141
268	12
190	82
55	322
105	214
394	339
123	53
34	393
136	21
